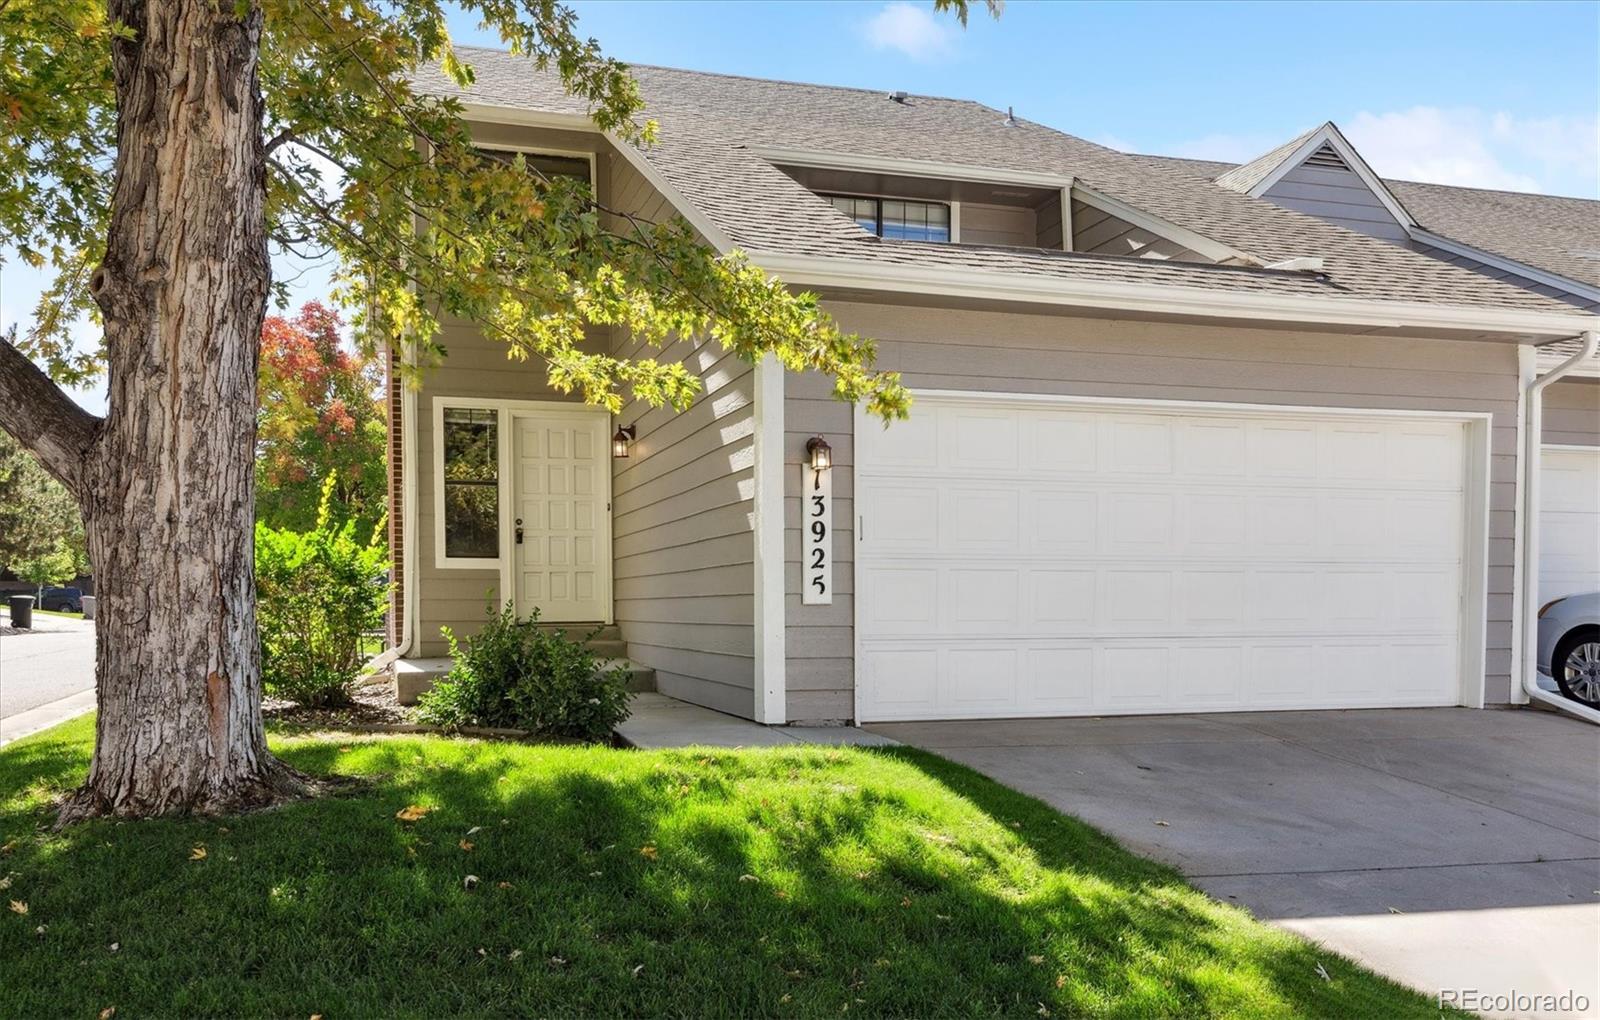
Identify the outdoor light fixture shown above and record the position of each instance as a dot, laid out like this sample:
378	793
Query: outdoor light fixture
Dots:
819	452
620	441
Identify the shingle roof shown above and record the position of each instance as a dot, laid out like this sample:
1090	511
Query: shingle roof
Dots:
1247	175
710	123
1555	233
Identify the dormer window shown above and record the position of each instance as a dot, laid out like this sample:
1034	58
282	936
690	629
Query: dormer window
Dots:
899	219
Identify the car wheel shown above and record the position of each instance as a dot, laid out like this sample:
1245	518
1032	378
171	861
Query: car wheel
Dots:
1576	665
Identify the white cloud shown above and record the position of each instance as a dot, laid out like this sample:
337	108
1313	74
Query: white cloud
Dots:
1471	147
912	30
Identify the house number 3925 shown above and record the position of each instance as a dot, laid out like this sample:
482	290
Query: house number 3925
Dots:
816	523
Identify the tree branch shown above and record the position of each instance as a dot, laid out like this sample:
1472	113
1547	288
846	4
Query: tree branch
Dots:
44	419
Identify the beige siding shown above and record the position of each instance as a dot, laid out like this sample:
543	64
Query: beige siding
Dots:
1338	196
1020	353
1572	413
1099	232
683	517
1047	219
997	224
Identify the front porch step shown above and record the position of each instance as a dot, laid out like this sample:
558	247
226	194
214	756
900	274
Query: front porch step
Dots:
413	676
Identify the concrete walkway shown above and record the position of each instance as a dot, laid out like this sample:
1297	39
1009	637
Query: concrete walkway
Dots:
1447	848
662	722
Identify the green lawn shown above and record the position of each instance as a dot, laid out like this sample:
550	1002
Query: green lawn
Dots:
782	882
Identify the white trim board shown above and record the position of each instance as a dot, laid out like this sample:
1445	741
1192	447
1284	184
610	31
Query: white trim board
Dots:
1584	290
1472	623
506	411
1162	228
848	274
770	611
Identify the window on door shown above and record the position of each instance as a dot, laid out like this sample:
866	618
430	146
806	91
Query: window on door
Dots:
470	474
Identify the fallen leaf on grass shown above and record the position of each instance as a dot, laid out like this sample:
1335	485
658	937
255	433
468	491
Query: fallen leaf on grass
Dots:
648	851
19	907
637	969
1322	972
556	961
5	881
466	845
474	830
115	946
198	853
413	813
502	885
515	954
1036	960
905	901
1061	981
108	1013
8	846
470	882
748	878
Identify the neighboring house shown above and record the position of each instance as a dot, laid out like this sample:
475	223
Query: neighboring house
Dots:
1547	244
1175	447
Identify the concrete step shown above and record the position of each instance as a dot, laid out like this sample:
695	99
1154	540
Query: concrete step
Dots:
413	676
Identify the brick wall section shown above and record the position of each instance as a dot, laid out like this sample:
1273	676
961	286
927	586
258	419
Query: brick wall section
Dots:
397	571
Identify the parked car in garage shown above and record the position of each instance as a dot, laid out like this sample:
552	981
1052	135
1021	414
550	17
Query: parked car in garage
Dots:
62	600
1569	646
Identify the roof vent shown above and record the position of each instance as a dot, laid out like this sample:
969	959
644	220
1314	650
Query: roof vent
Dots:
899	97
1011	120
1327	158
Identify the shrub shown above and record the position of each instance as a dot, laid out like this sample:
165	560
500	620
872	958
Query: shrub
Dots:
516	674
318	593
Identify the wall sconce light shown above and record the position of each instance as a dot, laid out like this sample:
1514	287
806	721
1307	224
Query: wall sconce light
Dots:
819	453
620	441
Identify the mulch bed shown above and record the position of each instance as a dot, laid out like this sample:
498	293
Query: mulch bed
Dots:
372	703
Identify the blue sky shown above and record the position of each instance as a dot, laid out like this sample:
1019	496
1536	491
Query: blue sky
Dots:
1480	94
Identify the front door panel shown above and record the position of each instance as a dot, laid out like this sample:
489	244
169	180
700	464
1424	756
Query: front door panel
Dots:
562	550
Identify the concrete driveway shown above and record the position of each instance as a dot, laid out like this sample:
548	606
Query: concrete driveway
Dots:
1447	848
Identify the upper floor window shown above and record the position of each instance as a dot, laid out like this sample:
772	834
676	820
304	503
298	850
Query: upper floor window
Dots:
896	218
549	165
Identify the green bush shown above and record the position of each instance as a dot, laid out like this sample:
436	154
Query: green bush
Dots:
317	593
515	674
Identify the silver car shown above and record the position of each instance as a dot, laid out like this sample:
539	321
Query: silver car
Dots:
1569	646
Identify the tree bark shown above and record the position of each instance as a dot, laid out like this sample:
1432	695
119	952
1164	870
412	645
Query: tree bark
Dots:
167	486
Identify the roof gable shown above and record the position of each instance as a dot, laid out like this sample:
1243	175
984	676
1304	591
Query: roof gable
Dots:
1324	148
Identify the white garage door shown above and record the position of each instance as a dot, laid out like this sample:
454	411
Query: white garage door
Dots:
1034	558
1569	521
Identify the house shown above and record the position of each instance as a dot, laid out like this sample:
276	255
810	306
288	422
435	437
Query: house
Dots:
1186	437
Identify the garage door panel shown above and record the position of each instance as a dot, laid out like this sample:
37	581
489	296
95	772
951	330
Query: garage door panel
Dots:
1035	560
1569	522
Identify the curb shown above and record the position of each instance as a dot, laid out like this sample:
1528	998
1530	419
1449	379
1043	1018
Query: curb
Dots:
26	724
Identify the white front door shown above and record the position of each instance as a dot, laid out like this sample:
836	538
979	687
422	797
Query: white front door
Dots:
1028	558
1569	521
561	556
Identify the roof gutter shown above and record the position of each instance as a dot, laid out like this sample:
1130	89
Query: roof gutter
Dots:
1533	408
815	271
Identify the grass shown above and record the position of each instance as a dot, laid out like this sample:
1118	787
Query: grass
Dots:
779	882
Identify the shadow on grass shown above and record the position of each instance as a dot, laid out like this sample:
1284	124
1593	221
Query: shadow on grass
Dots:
792	881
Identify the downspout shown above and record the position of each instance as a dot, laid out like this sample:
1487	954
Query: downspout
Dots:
408	532
1532	450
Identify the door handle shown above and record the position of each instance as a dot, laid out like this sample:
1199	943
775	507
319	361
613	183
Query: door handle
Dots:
519	530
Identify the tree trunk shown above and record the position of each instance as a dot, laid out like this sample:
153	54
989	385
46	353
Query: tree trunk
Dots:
167	481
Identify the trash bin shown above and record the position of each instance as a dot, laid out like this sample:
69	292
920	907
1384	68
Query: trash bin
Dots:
21	611
88	607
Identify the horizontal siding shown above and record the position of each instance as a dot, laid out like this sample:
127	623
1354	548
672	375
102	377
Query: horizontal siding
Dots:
683	514
1021	353
997	224
1338	196
1572	412
1099	232
1047	223
1496	273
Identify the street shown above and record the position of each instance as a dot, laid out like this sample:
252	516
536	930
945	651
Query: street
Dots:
53	662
